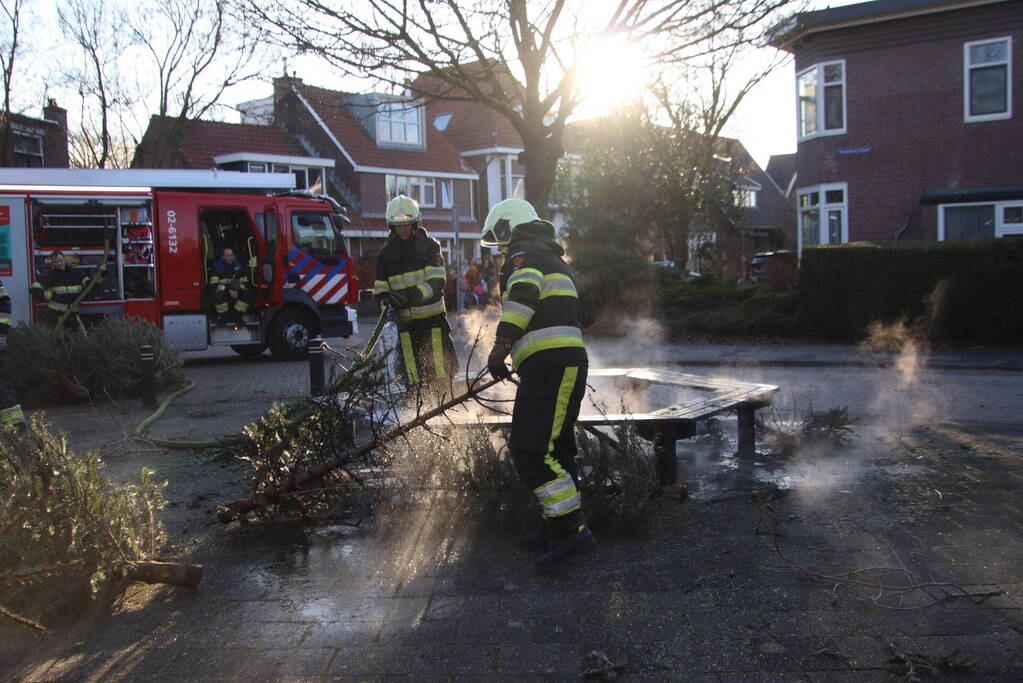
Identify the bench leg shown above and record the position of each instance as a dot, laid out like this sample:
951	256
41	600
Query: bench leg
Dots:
747	431
667	461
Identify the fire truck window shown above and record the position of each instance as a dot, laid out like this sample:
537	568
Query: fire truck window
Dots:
228	228
313	233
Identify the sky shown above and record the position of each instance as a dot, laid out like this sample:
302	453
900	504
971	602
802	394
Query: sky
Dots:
765	122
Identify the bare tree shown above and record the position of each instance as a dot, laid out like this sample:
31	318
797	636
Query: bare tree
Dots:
99	31
521	59
195	51
9	50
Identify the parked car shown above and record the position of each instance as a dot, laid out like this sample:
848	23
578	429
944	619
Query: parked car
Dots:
774	271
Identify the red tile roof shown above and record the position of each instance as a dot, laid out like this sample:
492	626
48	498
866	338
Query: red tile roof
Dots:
439	155
205	140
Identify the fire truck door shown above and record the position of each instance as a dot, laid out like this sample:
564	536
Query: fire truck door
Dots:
267	223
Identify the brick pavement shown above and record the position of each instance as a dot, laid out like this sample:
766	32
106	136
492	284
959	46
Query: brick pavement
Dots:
749	580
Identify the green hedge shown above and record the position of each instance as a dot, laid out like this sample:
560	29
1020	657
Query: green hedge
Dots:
954	291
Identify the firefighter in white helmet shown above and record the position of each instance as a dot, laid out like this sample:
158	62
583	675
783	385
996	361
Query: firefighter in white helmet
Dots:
410	277
540	330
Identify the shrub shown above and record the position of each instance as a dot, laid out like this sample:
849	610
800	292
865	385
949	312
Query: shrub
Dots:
99	364
609	286
958	291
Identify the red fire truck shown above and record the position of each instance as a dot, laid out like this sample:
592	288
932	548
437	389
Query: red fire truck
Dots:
160	232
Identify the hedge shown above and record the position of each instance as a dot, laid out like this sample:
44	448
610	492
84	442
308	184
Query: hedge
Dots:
970	291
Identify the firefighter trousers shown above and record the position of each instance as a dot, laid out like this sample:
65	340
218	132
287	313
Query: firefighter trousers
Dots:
542	443
427	352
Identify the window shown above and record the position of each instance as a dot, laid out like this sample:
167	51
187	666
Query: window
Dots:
820	91
446	193
28	149
423	190
823	215
399	122
987	78
257	167
980	221
313	232
513	178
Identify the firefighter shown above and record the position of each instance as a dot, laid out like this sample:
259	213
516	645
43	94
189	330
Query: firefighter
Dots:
539	328
410	277
10	408
231	291
60	287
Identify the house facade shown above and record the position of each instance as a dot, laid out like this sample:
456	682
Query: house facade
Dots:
36	143
909	116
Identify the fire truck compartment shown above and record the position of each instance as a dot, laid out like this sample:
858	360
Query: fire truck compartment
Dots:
185	332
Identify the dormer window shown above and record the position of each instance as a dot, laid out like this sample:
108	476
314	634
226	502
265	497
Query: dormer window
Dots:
399	123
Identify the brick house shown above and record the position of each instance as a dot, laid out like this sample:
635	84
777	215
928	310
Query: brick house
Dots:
36	143
909	120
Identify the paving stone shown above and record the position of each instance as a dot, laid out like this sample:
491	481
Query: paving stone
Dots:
468	659
291	663
375	660
259	634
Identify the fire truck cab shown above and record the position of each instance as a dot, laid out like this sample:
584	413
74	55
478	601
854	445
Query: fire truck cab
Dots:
160	232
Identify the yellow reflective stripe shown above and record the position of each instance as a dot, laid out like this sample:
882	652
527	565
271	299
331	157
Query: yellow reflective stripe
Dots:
221	308
4	320
12	414
545	338
410	358
515	319
214	280
420	312
438	353
435	272
241	306
551	488
381	286
66	289
568	500
409	279
516	314
57	306
528	275
558	284
426	290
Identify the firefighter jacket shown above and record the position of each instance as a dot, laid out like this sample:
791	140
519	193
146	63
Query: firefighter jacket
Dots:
417	266
539	303
60	288
223	274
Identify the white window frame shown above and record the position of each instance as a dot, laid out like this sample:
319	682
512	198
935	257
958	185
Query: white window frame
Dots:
1007	114
819	101
32	137
447	192
822	207
512	184
403	116
406	184
257	167
1001	227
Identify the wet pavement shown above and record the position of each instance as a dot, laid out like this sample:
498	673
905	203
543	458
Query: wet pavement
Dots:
900	556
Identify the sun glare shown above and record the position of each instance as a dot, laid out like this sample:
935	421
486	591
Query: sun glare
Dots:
611	71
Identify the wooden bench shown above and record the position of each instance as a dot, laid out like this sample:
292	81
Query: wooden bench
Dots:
664	427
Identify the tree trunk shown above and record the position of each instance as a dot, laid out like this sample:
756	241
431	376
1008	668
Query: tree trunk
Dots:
171	573
540	160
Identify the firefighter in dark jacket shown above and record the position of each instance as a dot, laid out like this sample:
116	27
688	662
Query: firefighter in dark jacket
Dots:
540	330
410	277
229	283
10	408
59	287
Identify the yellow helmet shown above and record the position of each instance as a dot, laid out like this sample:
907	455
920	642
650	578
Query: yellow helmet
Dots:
402	210
503	218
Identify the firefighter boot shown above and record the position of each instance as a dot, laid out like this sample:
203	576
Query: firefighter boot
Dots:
576	542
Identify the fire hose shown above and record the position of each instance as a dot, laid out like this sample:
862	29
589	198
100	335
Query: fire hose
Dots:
235	439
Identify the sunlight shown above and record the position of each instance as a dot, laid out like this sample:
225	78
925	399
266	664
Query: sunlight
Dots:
611	71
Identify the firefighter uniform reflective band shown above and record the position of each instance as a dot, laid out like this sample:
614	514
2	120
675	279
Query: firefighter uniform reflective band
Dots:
60	288
11	415
428	284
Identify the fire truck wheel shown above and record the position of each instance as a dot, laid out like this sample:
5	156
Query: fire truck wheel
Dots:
289	335
248	349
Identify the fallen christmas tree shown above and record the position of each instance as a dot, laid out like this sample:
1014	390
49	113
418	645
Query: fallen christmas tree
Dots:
67	535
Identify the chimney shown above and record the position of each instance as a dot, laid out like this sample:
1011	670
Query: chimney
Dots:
55	152
52	112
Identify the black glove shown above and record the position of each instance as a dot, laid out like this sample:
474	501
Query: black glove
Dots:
401	298
495	361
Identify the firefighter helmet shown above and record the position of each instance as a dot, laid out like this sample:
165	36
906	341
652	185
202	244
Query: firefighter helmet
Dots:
503	218
402	210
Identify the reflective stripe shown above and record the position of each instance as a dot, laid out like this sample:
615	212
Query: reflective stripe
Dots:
558	284
12	414
517	314
425	290
241	306
563	507
562	483
529	275
409	279
433	272
214	280
420	312
410	359
221	307
57	306
66	289
381	286
566	498
545	338
438	353
4	321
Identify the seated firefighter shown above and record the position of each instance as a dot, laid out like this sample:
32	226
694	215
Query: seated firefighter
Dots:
230	289
61	287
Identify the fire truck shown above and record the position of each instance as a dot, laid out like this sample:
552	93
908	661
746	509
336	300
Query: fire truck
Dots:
160	232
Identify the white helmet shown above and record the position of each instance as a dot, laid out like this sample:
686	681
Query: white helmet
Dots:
402	210
505	217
